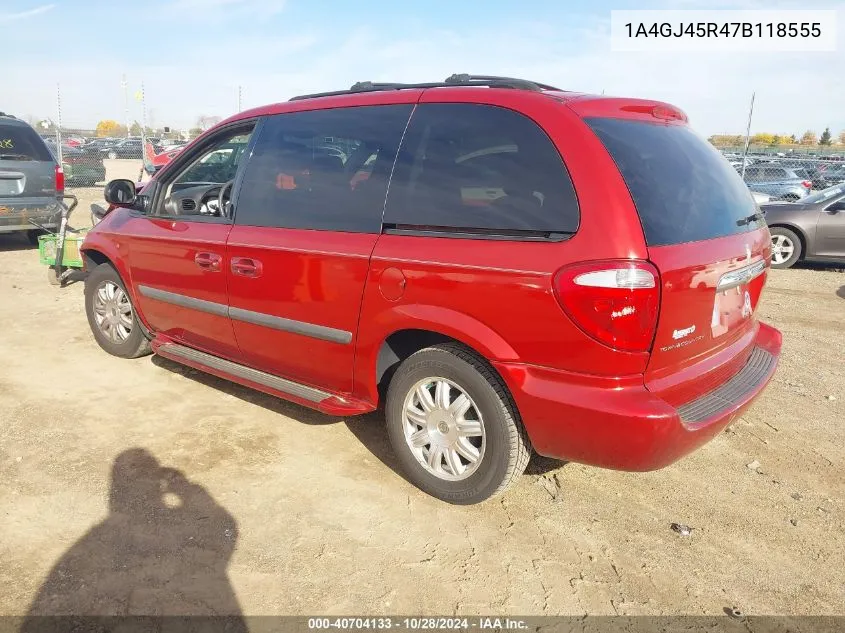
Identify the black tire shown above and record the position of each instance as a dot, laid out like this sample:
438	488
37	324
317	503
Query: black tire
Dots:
136	343
792	238
32	236
506	445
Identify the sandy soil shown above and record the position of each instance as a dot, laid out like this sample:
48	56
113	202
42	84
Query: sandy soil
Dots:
274	509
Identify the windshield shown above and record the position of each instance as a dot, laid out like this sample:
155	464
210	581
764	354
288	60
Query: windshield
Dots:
825	194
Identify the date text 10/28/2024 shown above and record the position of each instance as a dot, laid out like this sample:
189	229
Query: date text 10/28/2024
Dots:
418	624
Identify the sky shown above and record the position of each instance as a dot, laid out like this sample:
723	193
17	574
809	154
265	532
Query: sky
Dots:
192	55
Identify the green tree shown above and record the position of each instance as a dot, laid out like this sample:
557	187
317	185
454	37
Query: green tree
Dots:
792	139
109	127
135	129
842	137
809	138
763	138
825	137
777	139
723	140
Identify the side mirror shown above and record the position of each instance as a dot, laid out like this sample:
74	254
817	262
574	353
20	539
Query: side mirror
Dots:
121	191
836	207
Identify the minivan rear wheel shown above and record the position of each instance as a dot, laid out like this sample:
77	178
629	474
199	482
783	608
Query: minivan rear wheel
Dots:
453	425
786	247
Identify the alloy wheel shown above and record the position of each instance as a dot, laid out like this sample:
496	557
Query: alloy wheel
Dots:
113	312
782	249
444	428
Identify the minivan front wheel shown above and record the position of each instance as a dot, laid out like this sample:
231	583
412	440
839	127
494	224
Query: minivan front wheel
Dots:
111	314
453	425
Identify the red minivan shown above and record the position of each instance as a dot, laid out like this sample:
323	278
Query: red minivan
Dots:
506	266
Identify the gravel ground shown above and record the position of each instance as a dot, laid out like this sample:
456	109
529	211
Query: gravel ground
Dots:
269	508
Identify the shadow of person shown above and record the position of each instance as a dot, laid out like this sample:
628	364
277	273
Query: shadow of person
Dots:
162	550
841	292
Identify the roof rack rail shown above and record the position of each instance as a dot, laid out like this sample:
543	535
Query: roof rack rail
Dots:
458	79
498	82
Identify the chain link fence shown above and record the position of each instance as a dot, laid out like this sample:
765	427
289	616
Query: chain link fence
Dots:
787	176
91	160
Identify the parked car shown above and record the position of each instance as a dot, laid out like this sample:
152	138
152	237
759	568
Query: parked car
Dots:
812	229
82	168
777	181
97	145
817	174
170	143
157	157
835	175
31	181
521	269
125	148
737	163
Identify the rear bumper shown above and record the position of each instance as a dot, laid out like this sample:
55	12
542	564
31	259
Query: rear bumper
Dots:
16	214
618	423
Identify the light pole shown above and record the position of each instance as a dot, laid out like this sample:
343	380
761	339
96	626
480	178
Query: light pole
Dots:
58	126
747	136
125	86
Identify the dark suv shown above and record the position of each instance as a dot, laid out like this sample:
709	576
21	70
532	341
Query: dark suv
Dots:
31	181
504	265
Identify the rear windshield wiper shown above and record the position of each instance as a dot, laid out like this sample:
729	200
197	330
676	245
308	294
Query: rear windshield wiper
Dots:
15	157
749	219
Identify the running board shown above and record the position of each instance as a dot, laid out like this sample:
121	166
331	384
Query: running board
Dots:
178	353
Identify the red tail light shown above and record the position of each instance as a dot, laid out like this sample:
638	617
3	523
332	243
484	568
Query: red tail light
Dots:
807	184
60	180
615	302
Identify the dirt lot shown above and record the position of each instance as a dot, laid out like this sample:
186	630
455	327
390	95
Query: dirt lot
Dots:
286	511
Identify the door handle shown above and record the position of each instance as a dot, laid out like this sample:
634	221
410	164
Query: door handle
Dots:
246	267
208	261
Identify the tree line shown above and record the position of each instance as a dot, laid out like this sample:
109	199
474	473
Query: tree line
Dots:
109	127
764	138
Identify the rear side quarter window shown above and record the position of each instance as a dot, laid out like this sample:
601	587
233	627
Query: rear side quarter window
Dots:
479	170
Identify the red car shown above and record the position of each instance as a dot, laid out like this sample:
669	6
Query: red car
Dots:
155	159
503	265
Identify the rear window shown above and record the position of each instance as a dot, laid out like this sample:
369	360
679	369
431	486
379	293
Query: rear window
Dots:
683	188
18	142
